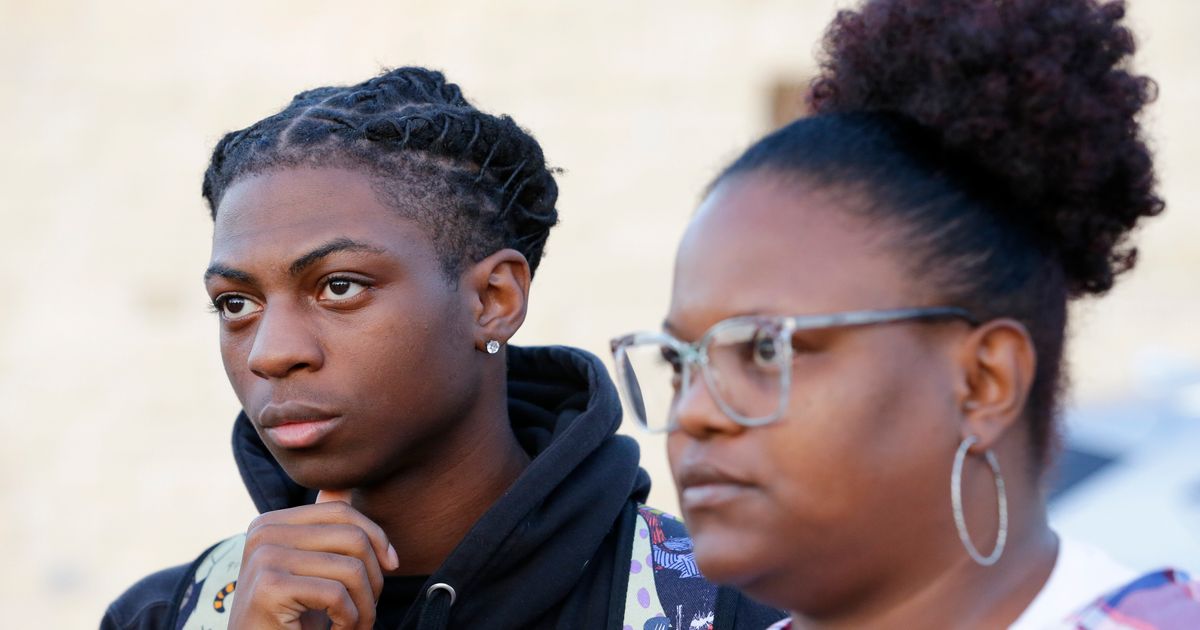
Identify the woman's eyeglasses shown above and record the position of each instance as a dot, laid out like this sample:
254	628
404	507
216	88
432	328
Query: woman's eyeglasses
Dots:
746	363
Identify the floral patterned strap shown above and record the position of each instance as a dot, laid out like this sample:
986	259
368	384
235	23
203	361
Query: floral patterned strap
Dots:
666	589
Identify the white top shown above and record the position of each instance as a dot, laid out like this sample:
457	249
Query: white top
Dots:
1081	574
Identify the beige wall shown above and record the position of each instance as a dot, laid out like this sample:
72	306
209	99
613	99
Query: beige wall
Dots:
114	409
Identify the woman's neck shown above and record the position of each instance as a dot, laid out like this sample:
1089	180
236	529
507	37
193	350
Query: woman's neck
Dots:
962	594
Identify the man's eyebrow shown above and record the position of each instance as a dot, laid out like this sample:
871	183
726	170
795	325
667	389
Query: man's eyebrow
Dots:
217	269
342	244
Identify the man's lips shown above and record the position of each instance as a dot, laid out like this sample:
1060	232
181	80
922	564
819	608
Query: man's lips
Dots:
295	425
301	434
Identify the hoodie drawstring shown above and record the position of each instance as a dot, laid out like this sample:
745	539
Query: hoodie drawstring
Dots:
435	614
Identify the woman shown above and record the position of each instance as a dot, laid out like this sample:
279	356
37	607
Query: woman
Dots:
372	253
869	308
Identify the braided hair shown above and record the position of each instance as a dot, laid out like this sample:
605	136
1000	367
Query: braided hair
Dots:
476	183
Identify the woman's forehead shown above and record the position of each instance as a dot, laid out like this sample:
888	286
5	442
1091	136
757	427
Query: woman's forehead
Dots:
761	246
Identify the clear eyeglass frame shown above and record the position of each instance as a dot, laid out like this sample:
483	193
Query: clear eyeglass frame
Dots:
741	329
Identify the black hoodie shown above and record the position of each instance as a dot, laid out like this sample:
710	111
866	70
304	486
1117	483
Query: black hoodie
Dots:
553	552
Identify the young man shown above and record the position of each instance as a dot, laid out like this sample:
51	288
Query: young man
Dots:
373	249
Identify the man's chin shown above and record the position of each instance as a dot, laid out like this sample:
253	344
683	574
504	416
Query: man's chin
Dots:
320	473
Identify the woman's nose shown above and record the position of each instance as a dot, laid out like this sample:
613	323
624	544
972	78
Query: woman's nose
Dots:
697	413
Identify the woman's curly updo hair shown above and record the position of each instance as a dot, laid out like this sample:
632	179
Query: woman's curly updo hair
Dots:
476	183
1000	140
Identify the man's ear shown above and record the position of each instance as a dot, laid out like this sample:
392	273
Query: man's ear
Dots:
498	288
998	363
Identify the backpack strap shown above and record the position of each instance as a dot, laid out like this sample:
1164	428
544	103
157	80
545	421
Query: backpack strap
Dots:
728	601
618	592
1167	598
666	590
211	587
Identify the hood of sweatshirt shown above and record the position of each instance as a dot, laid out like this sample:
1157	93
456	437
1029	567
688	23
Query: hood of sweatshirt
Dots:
531	550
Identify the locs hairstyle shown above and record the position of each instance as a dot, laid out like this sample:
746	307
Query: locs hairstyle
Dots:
476	183
999	141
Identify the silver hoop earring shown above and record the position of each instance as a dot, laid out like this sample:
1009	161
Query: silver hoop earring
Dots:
493	346
956	502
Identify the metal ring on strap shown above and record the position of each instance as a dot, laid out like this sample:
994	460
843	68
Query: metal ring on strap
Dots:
442	586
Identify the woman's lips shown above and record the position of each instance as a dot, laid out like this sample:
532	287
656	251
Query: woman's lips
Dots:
301	433
703	485
708	495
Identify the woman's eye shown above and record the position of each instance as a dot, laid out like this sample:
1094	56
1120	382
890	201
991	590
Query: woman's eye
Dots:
672	358
235	307
338	289
765	349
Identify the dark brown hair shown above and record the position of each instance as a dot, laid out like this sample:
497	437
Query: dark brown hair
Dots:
1000	138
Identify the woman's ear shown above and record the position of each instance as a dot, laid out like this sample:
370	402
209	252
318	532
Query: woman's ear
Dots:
998	361
498	288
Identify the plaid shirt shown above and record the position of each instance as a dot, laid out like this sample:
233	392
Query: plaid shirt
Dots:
1163	600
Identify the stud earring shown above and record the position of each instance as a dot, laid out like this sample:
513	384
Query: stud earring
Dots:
493	346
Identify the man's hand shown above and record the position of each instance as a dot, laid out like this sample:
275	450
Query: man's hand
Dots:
309	566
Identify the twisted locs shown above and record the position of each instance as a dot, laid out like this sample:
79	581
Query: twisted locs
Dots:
476	182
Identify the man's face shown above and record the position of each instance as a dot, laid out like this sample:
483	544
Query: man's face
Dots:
347	347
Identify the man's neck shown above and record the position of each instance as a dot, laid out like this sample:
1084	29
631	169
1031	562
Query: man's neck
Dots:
427	511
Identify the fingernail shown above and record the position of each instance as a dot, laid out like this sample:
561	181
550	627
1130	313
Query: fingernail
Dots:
393	558
325	496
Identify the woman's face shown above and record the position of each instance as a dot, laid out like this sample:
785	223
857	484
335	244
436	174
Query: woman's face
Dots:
817	507
348	348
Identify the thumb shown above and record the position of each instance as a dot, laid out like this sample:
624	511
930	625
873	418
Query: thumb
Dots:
325	496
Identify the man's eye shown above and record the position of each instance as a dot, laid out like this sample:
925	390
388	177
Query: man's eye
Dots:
338	289
235	307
